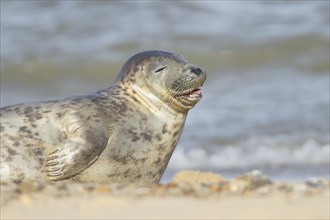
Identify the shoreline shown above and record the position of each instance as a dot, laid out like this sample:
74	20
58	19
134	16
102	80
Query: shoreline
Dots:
189	195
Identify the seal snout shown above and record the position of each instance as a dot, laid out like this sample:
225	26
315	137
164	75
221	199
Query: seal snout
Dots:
195	70
198	71
187	88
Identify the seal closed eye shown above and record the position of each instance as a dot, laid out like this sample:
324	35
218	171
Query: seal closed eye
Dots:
125	133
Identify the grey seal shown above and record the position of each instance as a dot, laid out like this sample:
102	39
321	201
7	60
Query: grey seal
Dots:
124	133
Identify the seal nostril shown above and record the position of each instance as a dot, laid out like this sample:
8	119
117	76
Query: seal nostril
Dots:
198	71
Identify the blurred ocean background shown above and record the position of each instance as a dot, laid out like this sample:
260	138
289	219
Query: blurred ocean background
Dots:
266	99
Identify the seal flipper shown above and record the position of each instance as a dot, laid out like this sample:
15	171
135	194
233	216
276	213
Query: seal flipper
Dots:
80	150
63	163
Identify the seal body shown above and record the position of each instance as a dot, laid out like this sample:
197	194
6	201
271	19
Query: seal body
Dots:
124	133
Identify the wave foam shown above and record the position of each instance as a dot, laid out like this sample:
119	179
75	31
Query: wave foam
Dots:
250	155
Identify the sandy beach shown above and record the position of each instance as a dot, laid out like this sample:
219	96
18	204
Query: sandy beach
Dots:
189	195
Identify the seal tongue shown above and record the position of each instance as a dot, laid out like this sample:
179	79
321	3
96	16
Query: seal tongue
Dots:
196	92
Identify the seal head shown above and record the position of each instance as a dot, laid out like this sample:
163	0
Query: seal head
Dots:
167	75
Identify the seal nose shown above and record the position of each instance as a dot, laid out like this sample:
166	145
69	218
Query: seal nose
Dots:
198	71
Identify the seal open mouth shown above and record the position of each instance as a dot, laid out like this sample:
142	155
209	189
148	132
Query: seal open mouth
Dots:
189	97
192	95
196	93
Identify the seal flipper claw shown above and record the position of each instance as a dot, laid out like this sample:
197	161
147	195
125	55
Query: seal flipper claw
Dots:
54	169
55	175
52	157
51	163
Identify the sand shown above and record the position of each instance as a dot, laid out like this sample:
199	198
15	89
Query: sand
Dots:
190	195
